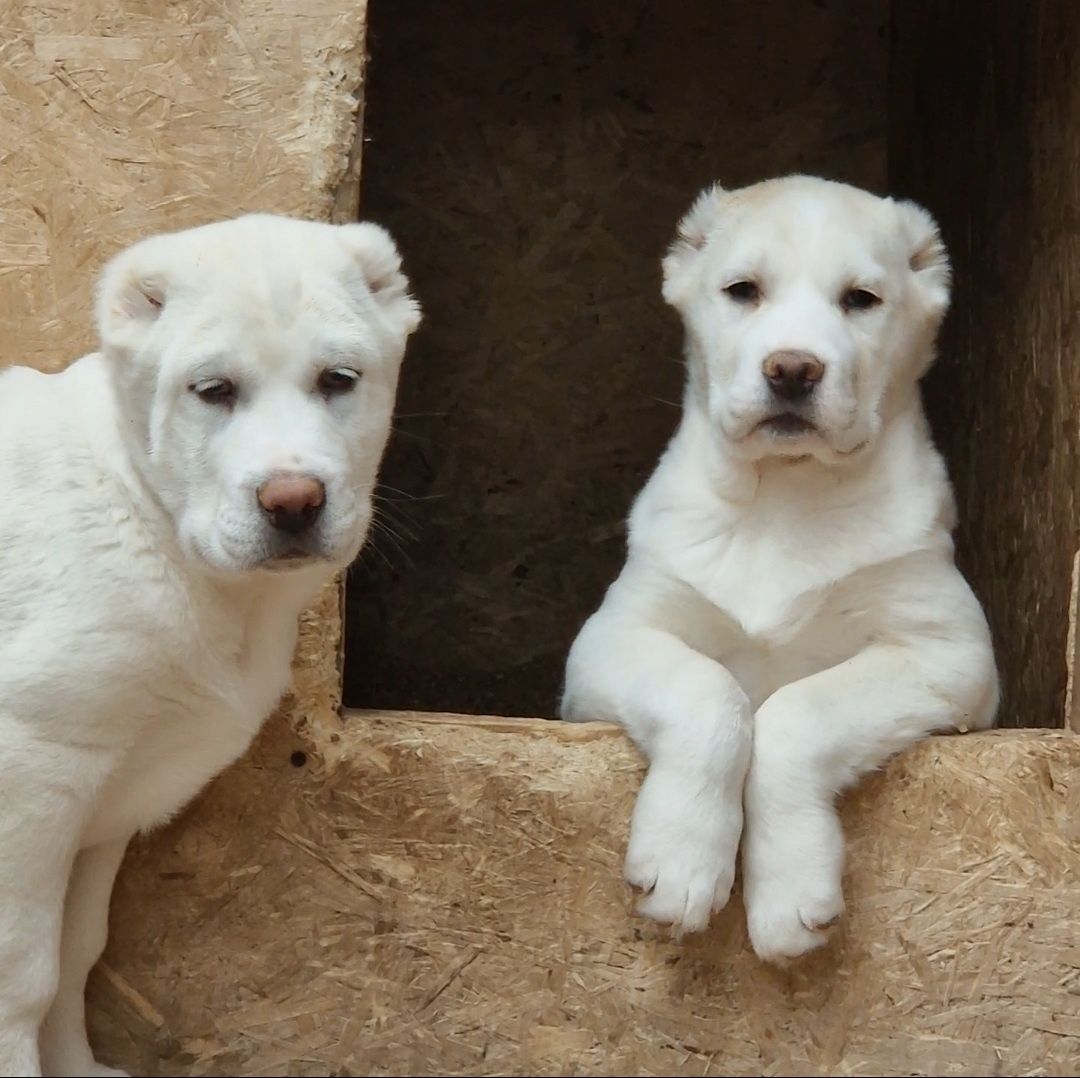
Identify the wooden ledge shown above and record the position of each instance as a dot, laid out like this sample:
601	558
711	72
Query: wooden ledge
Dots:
440	894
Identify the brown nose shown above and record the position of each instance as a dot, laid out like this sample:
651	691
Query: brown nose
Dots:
792	375
292	502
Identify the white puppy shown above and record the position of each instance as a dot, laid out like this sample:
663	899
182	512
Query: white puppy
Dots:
167	508
789	614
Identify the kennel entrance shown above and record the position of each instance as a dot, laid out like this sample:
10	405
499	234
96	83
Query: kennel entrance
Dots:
533	167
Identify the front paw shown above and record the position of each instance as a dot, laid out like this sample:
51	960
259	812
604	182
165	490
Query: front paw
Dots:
793	891
785	925
682	853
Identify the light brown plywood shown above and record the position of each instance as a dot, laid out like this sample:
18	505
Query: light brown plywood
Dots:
438	895
1072	659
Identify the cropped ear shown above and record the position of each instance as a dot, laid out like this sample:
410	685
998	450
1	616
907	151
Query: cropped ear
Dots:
379	263
927	257
692	234
130	298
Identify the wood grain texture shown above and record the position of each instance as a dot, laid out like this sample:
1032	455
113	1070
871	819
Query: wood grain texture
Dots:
438	895
1072	658
985	130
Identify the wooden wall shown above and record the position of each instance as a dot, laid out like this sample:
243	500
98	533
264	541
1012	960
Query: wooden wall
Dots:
985	130
432	895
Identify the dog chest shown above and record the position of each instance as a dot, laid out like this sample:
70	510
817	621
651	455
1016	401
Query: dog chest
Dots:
182	743
195	704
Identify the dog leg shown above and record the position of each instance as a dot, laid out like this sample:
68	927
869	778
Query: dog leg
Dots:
45	793
65	1049
815	737
692	720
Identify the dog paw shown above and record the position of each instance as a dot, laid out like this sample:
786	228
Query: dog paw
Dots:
682	855
793	868
787	919
682	888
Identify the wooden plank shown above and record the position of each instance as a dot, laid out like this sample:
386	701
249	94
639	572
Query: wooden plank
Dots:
440	894
1072	703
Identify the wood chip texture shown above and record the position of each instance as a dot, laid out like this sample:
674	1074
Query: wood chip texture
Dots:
438	895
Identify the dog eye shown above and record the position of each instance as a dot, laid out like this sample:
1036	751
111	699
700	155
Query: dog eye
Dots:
859	299
743	291
337	380
215	391
334	381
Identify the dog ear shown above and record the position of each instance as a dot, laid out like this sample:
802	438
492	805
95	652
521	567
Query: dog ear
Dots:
379	264
927	257
690	239
130	299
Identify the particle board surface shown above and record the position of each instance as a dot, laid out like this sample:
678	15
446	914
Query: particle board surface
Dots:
442	895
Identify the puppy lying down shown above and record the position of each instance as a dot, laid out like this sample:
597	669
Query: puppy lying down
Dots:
789	614
169	505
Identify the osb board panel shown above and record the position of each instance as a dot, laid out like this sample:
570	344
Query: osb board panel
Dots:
432	895
120	120
986	130
533	166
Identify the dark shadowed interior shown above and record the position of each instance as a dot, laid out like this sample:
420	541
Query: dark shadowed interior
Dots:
532	160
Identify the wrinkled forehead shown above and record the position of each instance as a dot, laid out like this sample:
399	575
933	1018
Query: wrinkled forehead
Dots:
275	269
271	302
298	334
806	233
238	341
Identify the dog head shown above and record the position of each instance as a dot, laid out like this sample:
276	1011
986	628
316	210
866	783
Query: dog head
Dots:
257	361
810	310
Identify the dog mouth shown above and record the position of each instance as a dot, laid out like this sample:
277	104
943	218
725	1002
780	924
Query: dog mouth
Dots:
284	561
787	425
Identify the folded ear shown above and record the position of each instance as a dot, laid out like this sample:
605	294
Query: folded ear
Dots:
131	294
927	257
379	264
692	234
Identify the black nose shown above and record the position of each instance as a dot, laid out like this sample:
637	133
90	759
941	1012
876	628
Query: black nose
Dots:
292	502
792	375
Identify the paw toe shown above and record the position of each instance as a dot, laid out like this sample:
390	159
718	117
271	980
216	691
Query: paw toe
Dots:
641	872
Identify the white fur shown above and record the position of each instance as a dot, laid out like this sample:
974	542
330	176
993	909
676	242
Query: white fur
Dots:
148	608
789	614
